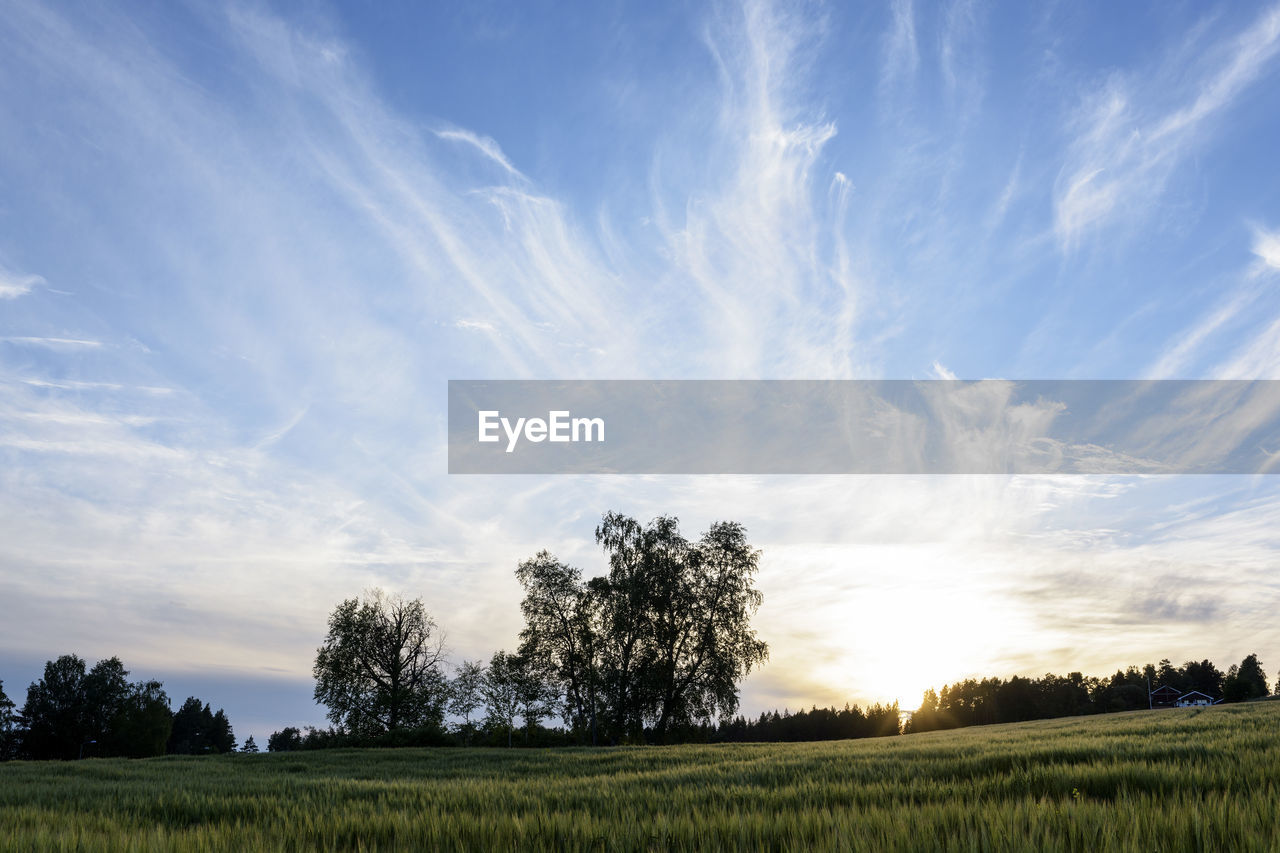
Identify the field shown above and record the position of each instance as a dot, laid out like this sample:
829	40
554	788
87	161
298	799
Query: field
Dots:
1193	779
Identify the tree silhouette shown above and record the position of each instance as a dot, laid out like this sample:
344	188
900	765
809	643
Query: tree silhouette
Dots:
1246	681
55	711
198	730
222	737
559	635
379	669
1169	675
9	727
466	694
1204	677
71	712
287	739
677	622
534	692
500	687
141	724
660	642
190	732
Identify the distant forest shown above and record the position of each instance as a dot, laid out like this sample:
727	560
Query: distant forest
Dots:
991	700
73	713
966	703
77	712
651	652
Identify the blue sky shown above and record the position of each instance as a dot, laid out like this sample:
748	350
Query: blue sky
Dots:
242	249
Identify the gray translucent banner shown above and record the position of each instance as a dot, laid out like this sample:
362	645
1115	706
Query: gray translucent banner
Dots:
864	427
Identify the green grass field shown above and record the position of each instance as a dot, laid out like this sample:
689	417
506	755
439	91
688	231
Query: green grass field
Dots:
1161	780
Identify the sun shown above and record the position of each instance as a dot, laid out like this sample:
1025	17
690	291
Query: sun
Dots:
897	642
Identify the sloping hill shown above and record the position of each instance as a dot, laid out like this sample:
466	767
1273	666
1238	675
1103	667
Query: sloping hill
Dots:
1202	779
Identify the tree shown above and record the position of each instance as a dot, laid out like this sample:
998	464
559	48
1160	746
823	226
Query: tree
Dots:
926	718
1246	681
466	694
10	727
1203	676
141	725
55	711
1252	674
222	738
500	687
106	686
559	635
198	730
191	724
535	694
380	666
711	645
250	746
287	739
641	565
660	641
691	605
1169	675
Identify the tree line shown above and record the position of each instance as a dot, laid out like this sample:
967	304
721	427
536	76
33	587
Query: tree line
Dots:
965	703
993	700
75	711
845	723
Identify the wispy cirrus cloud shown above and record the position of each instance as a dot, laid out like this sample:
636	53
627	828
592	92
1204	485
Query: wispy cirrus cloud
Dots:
1258	358
1246	319
78	385
13	284
52	343
1266	245
1132	133
772	290
484	144
901	53
475	325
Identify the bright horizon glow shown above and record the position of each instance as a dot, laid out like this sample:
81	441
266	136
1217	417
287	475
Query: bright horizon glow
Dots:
912	660
242	251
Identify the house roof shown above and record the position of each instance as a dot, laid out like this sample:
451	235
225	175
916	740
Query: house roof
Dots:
1195	693
1166	689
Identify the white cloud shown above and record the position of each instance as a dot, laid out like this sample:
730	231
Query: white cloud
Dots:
1266	245
13	285
1173	363
901	54
758	247
1126	146
484	144
53	343
1257	356
940	371
81	385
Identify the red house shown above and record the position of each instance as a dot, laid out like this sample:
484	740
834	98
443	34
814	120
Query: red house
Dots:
1165	697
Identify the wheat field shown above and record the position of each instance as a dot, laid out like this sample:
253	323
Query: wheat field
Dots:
1190	779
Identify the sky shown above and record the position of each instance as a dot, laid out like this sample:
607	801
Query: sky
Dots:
244	247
